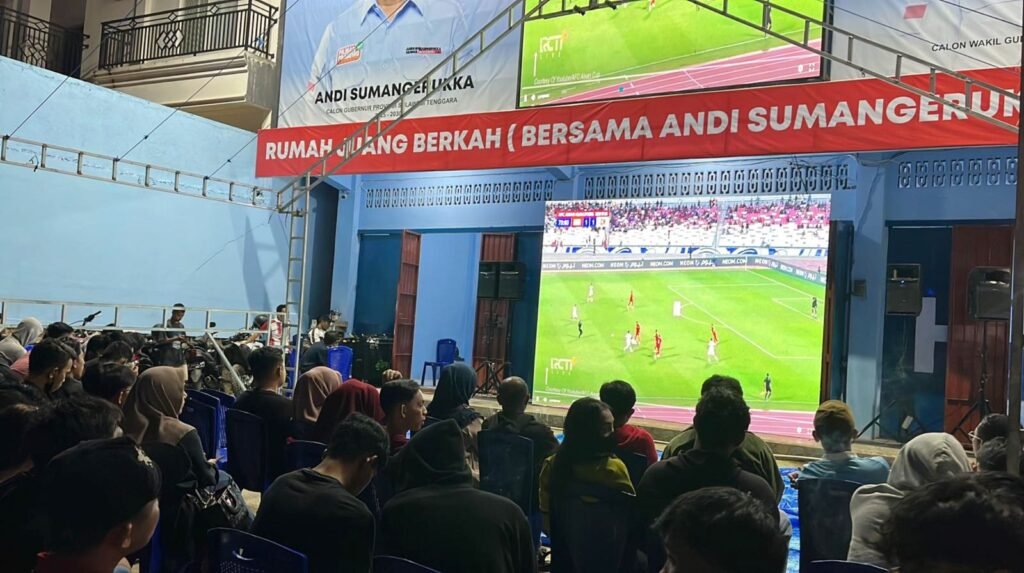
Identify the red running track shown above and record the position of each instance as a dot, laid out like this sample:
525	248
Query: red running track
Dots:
775	422
776	64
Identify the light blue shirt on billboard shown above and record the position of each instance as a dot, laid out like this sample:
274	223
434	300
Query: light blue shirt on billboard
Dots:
362	54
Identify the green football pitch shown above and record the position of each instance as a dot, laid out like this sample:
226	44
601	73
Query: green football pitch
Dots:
763	319
606	46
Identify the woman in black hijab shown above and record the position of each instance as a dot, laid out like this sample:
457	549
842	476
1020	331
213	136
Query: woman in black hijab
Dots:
451	402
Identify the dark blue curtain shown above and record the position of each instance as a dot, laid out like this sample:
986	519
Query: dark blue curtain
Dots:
523	336
380	257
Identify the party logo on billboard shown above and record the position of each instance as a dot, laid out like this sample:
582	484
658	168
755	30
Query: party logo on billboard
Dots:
349	54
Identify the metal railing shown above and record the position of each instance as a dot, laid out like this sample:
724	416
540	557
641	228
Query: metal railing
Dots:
188	31
40	43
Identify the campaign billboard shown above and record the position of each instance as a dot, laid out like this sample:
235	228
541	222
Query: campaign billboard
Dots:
345	60
956	34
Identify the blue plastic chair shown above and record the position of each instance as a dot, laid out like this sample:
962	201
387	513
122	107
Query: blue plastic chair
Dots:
303	454
339	359
226	401
202	412
247	450
506	467
636	465
843	567
447	351
590	530
825	524
233	551
388	564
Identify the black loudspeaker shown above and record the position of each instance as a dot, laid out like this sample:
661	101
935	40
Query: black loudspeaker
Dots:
988	293
510	280
903	290
487	285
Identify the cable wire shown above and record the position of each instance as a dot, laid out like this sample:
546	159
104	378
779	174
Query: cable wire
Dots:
67	77
980	13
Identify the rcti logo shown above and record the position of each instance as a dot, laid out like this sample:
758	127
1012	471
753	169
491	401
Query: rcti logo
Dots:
563	365
553	44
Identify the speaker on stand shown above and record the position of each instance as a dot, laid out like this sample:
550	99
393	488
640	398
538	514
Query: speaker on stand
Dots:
903	290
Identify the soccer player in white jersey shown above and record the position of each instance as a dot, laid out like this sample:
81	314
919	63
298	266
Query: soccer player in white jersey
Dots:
590	293
629	342
712	351
575	313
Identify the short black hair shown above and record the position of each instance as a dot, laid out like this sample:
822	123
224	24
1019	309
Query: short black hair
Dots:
333	337
721	420
91	489
974	521
16	422
96	345
265	361
396	393
58	329
324	318
49	353
620	397
12	393
723	383
992	456
118	350
281	308
74	345
728	528
993	426
70	421
107	379
359	436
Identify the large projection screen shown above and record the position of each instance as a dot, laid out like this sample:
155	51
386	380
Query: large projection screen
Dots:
742	275
648	47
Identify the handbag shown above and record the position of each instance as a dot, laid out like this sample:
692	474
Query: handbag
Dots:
221	505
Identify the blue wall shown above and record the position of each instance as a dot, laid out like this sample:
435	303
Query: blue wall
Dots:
79	239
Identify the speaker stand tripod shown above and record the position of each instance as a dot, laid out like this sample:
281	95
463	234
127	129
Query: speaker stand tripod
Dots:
981	405
492	377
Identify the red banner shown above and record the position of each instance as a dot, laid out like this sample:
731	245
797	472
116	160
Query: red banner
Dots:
825	117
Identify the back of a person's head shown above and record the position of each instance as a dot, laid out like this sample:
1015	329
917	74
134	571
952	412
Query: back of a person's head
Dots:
118	351
397	392
726	530
620	397
70	421
587	429
16	423
96	345
721	420
333	337
992	456
971	523
12	393
513	394
93	488
719	382
107	380
58	330
265	363
48	354
834	425
993	426
358	437
73	344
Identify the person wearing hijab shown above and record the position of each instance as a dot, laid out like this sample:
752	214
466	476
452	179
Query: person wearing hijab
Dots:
308	399
451	401
435	486
352	396
12	347
926	459
151	415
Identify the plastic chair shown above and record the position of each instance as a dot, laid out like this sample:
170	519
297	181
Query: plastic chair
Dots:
387	564
202	412
303	454
226	400
825	525
339	359
247	450
447	351
843	567
506	467
233	551
636	465
590	527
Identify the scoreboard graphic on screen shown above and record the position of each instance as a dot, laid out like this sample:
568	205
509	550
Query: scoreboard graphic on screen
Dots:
585	219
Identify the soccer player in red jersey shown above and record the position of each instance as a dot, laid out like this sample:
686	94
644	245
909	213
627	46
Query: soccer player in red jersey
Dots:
631	304
657	345
636	333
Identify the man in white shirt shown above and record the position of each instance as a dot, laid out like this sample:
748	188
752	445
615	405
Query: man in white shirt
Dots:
712	351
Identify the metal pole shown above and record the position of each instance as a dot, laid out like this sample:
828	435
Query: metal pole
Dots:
225	362
1013	392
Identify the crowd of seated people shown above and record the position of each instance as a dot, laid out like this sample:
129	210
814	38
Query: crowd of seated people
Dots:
82	487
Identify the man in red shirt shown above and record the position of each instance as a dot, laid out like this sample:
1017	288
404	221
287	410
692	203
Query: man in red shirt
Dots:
637	333
630	304
657	345
621	398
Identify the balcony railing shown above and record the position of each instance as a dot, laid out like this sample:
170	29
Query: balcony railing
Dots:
40	43
188	31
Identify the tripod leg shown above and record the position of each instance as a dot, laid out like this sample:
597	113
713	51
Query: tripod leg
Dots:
979	406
